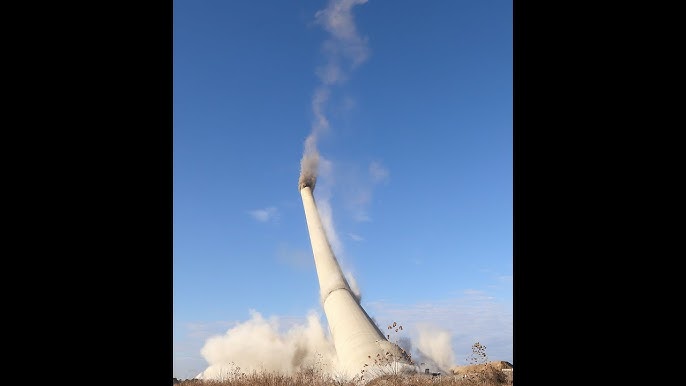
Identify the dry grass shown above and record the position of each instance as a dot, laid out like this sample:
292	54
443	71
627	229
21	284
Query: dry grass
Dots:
477	375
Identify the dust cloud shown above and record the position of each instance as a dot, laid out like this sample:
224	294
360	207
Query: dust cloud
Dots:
260	345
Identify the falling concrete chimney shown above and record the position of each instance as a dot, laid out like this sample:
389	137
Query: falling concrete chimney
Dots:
357	339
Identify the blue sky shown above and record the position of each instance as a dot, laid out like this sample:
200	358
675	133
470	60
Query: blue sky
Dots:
416	178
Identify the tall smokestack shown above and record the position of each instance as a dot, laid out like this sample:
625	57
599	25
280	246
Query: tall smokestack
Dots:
356	338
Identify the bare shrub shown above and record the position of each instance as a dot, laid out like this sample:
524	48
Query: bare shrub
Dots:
391	367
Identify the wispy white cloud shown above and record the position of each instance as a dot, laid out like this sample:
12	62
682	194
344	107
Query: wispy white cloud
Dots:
378	172
265	215
296	258
206	329
505	278
355	237
361	215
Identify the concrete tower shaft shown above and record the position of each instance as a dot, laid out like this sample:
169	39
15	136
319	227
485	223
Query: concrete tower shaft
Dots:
329	271
355	335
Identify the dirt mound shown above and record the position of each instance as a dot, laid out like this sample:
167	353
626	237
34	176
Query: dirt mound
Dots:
499	365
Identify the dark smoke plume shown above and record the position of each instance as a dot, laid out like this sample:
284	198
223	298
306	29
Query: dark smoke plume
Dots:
309	164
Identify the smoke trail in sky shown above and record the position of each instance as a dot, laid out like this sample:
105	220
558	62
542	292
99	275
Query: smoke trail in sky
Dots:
344	50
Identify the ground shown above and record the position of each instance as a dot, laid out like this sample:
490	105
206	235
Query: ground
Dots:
475	368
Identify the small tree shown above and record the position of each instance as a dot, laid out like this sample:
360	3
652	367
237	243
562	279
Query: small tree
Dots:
389	366
486	374
478	355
